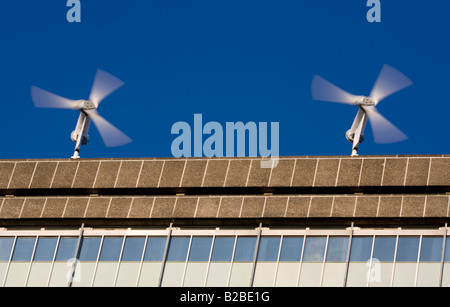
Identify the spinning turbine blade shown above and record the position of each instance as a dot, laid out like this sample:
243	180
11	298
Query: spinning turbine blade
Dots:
104	85
389	82
383	130
111	136
323	90
44	99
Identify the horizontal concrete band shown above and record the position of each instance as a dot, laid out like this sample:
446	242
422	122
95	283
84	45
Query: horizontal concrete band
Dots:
226	172
293	206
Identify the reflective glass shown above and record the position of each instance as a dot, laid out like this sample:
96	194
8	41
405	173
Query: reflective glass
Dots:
314	249
408	249
132	251
23	250
200	249
384	248
66	249
361	249
430	267
291	249
359	265
178	249
268	249
111	248
337	249
245	249
5	248
45	249
155	248
431	249
447	250
223	249
89	249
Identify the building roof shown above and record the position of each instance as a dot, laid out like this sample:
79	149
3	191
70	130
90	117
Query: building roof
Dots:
226	191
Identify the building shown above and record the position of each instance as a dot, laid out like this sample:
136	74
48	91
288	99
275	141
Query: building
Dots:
310	221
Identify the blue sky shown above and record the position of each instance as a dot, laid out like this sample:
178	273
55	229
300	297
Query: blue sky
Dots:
234	60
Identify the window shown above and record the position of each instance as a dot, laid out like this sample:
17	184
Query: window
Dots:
245	249
337	249
155	249
223	249
226	258
132	251
361	249
268	249
89	249
314	249
5	248
178	249
291	249
23	250
45	249
111	248
200	249
66	249
431	249
408	249
384	248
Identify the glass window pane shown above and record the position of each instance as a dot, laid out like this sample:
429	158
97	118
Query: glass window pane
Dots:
291	249
361	249
66	249
200	249
314	249
268	249
178	249
5	248
45	249
89	249
223	249
337	249
111	248
447	250
245	249
23	249
132	251
384	248
431	249
408	249
155	248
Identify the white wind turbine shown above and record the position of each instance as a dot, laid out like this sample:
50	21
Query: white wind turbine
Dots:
388	82
104	85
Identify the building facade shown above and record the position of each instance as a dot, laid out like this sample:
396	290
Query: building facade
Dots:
321	221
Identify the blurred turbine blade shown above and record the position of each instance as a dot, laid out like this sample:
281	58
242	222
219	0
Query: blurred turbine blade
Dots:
104	85
323	90
389	81
384	131
112	137
44	99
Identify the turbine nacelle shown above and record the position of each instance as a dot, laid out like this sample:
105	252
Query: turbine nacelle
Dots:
365	101
84	105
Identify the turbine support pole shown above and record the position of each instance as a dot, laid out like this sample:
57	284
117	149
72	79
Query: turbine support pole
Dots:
360	124
80	129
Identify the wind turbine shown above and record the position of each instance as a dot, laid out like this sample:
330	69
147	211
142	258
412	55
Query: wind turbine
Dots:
388	82
104	85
